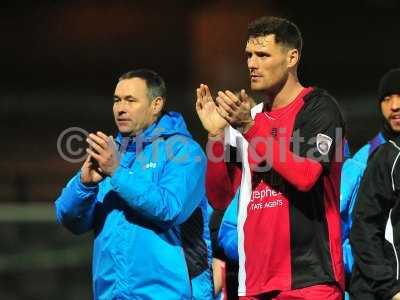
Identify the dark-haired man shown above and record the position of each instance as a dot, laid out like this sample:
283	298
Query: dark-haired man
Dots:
143	196
375	232
288	215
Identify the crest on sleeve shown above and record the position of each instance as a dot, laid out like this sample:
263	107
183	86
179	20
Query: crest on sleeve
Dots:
324	143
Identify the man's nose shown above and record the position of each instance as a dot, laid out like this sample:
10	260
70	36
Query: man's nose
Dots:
252	63
121	107
395	103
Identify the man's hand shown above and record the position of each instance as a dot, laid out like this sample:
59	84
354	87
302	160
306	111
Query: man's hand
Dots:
103	150
396	297
235	109
90	174
207	112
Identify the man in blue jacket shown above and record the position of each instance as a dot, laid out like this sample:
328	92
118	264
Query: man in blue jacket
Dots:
143	195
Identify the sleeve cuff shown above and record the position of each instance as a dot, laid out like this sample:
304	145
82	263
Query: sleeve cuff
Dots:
86	188
258	121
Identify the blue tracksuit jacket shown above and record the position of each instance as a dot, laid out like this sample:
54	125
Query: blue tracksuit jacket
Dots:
139	215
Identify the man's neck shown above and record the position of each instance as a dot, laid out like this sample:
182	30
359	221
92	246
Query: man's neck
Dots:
286	94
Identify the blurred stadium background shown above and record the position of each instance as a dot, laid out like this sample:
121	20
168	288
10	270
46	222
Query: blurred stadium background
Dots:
59	64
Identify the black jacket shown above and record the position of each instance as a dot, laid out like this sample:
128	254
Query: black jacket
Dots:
375	234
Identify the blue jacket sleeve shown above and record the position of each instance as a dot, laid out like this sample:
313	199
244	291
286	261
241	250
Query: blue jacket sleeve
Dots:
228	237
352	172
174	197
75	206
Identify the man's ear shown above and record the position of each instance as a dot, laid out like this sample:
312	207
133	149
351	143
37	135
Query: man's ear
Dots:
157	105
293	57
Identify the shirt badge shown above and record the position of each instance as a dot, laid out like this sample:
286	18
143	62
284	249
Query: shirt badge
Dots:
324	143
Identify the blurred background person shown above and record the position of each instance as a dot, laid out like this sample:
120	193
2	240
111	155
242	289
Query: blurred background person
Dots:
375	230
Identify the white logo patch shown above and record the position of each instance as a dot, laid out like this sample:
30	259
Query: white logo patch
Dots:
150	165
324	143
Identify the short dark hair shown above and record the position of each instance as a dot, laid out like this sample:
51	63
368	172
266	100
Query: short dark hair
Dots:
155	83
285	31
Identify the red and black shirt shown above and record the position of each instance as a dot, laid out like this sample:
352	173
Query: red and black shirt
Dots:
291	232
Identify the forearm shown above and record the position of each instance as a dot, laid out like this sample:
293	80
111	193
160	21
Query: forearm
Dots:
228	236
220	184
76	205
165	203
367	243
301	172
228	240
373	266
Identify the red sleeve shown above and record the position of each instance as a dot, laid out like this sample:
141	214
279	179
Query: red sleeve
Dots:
301	172
222	178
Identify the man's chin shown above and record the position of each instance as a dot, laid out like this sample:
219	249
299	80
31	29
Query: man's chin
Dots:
125	131
394	126
395	129
257	87
125	134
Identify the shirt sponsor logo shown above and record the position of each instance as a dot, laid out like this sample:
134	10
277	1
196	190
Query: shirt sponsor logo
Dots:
267	192
265	198
268	204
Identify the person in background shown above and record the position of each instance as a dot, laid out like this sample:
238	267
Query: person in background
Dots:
375	230
352	173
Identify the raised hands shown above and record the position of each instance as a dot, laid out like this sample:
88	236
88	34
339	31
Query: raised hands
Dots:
235	109
103	153
207	112
90	172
